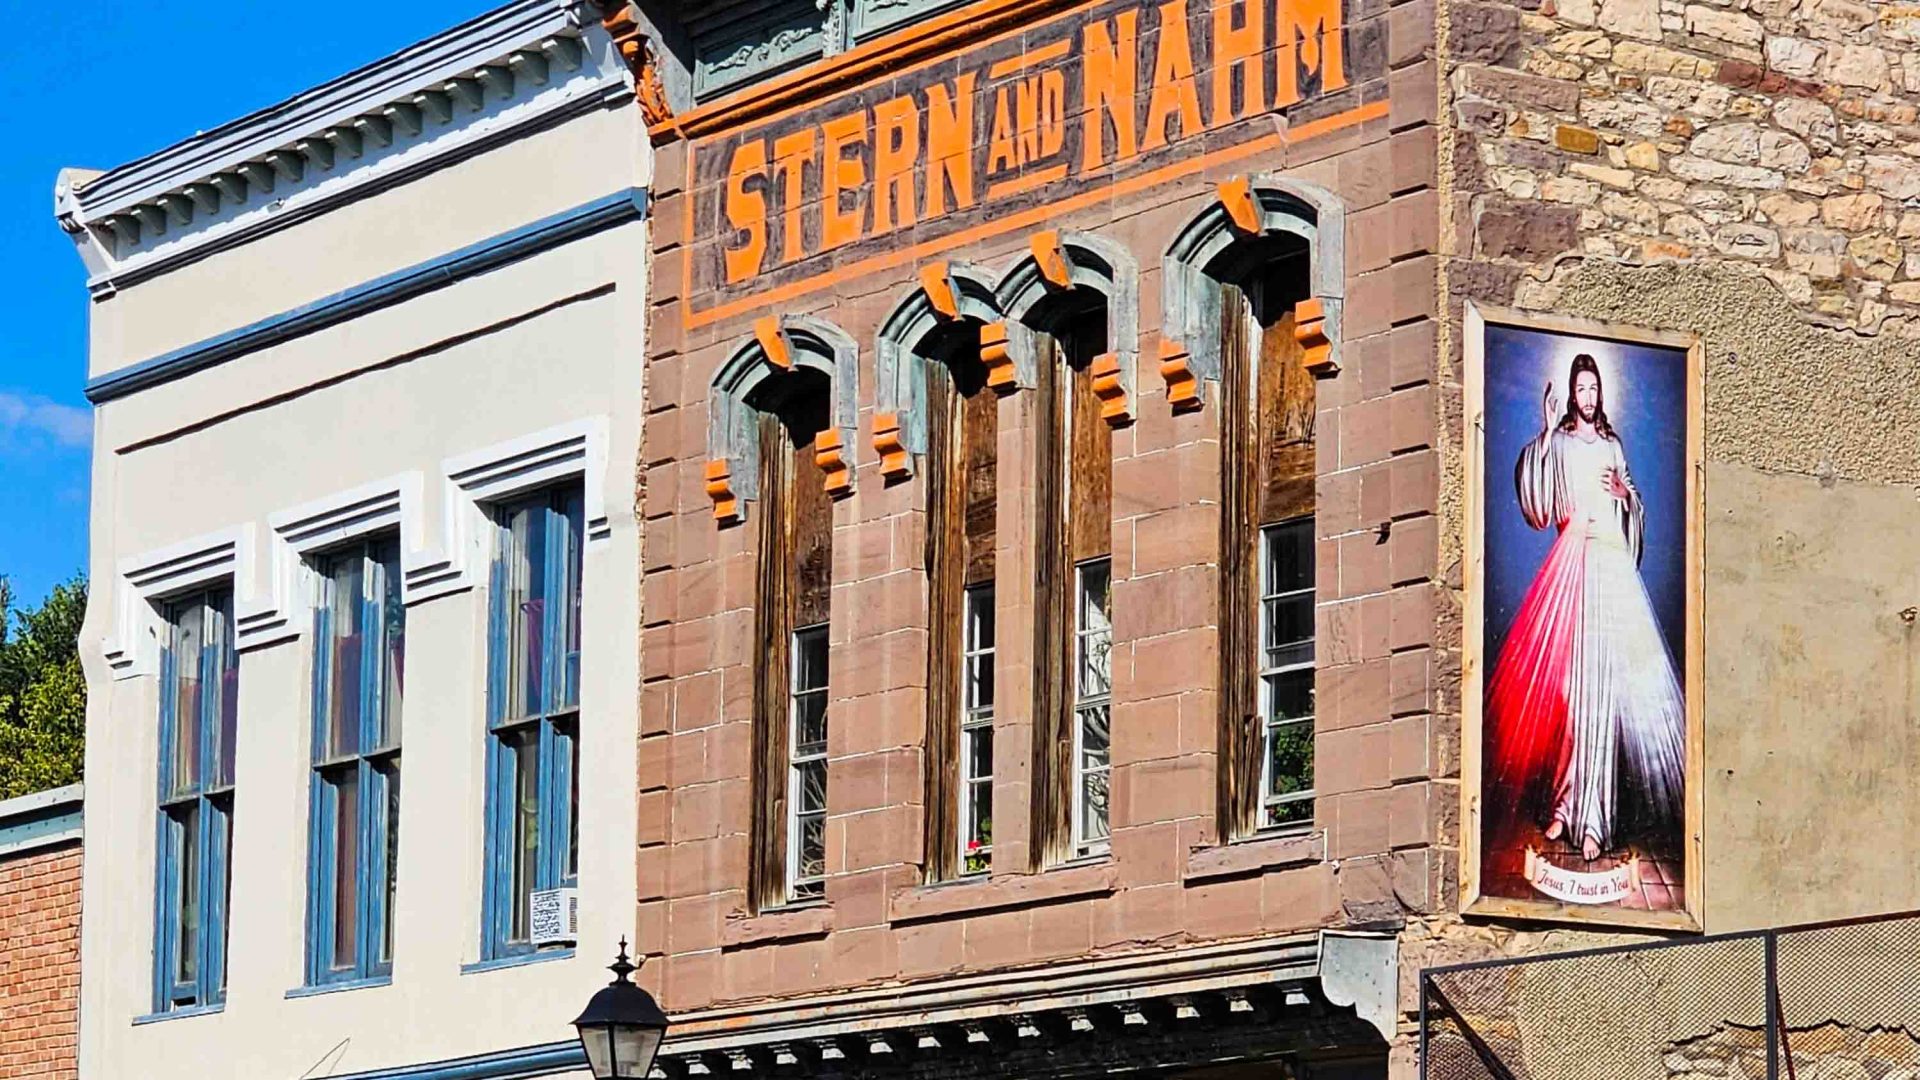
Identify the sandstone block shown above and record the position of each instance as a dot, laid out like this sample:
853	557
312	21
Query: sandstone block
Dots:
1861	66
1747	242
1779	150
1577	12
1576	140
1571	190
1738	143
1722	25
1898	177
1714	172
1527	230
1816	253
1633	18
1877	257
1809	119
1603	174
1794	56
1634	56
1906	292
1501	84
1787	210
1851	212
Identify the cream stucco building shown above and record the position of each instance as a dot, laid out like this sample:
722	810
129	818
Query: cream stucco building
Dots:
367	370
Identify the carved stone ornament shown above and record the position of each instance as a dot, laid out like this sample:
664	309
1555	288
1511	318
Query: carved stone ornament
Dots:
895	462
641	58
829	452
997	358
1310	330
1176	367
1114	408
726	504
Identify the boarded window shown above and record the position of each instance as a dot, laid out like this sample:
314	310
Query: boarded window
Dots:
1073	461
1266	560
795	578
962	461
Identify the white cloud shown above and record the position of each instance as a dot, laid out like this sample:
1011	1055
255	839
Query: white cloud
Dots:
30	415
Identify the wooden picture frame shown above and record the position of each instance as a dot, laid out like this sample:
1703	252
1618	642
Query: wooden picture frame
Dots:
1475	666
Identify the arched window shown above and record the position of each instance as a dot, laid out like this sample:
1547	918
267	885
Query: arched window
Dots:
1256	295
1072	323
934	403
781	409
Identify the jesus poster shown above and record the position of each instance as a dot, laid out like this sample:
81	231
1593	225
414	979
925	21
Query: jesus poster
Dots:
1583	640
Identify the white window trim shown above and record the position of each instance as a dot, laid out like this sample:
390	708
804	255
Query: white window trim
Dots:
298	532
143	582
479	478
1266	800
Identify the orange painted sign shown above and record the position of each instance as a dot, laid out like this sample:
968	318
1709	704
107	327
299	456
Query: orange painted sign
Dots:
1030	119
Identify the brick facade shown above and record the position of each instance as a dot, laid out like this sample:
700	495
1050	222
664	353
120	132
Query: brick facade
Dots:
40	963
1373	855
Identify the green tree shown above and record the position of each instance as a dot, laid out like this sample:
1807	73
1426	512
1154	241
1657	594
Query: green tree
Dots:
43	695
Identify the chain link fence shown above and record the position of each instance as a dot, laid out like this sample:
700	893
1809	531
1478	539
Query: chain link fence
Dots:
1832	1001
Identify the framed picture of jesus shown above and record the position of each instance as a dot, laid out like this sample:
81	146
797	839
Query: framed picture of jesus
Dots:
1582	656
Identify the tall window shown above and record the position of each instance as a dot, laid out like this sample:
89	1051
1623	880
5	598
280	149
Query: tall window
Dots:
1286	673
533	711
199	698
976	733
807	765
1266	555
1073	596
1092	704
963	420
789	852
359	655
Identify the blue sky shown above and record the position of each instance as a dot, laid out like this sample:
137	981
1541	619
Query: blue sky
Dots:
98	87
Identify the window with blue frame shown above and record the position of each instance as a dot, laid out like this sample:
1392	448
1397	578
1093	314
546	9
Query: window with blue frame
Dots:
199	696
533	711
359	657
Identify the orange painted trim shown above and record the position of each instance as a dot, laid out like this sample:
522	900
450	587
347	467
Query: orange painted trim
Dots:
1027	182
726	504
829	452
996	358
885	57
773	341
1236	195
1052	258
1176	367
1310	330
895	462
1114	408
937	283
1187	166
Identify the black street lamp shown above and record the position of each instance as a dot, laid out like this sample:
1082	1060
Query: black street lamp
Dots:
622	1027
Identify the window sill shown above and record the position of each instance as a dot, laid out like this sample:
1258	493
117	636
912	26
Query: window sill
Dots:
1256	854
518	960
781	924
970	895
339	987
180	1014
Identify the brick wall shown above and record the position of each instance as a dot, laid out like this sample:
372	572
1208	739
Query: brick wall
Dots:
1168	881
40	963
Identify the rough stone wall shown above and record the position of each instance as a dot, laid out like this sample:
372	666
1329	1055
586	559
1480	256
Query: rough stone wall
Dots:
1749	171
40	964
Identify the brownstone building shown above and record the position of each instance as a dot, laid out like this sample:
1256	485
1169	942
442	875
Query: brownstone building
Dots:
40	935
1038	658
1021	374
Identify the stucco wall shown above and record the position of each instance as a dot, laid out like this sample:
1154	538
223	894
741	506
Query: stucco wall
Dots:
550	340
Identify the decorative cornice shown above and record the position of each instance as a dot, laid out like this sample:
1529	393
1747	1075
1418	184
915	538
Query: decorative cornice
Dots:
510	68
489	254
